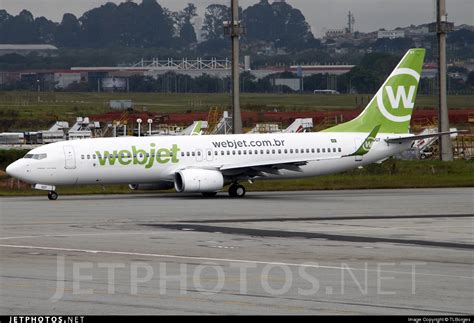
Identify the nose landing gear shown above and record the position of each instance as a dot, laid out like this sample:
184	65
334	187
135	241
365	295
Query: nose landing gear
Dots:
52	195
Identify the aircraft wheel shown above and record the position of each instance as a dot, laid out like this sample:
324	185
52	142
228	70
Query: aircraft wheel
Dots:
236	190
53	196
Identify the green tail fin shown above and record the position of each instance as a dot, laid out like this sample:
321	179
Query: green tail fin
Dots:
392	106
196	131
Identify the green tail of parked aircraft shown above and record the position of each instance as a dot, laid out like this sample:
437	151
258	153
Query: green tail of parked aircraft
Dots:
205	164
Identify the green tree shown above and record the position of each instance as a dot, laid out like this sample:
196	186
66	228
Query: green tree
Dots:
69	31
46	30
256	19
183	24
214	17
470	79
372	72
278	23
20	29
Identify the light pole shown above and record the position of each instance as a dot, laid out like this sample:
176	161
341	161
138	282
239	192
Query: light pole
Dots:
39	89
139	121
234	29
445	145
150	121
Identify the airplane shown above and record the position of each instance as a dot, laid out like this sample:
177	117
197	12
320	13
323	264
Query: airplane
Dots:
207	164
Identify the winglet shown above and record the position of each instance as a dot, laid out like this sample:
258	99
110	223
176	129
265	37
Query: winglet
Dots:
367	144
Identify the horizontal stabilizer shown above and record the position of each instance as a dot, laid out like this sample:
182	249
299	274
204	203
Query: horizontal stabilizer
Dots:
417	137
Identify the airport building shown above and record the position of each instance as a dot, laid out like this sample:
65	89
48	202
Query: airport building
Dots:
20	49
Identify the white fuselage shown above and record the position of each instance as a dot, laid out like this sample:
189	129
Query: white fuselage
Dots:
127	160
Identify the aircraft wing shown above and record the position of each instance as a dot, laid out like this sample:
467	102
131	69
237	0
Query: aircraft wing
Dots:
416	137
292	164
271	167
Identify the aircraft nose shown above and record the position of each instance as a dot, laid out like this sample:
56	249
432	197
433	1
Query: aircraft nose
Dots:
13	170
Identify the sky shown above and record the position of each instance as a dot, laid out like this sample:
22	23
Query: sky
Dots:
322	15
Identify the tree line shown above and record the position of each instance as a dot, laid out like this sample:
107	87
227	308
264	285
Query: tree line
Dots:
149	25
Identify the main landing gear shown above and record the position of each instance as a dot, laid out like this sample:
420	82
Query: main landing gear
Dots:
236	190
52	195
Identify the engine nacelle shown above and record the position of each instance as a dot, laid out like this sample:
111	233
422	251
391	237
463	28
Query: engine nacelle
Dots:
152	187
198	181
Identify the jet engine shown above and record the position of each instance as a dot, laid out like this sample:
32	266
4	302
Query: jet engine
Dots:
198	181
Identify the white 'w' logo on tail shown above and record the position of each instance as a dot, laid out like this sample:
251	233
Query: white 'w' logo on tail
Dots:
407	99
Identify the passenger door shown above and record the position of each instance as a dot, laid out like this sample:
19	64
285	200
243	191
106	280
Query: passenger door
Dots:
69	157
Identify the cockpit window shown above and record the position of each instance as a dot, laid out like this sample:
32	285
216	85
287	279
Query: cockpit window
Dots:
36	156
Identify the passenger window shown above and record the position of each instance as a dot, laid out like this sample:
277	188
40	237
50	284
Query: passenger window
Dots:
329	150
182	154
82	156
209	153
228	152
334	150
245	152
256	152
268	152
261	152
340	150
187	154
93	156
199	153
193	153
296	151
273	151
250	152
240	152
324	150
233	152
222	153
291	151
279	151
216	153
